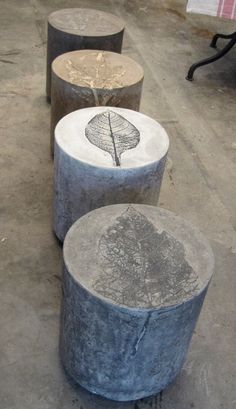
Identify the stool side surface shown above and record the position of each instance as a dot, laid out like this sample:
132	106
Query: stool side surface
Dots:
138	257
86	22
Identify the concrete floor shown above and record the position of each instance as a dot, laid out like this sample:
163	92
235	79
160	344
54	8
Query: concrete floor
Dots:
199	184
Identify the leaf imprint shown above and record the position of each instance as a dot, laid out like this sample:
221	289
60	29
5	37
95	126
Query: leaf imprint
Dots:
142	267
112	133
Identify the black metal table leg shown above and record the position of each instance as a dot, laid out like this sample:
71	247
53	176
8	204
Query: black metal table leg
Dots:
218	35
215	57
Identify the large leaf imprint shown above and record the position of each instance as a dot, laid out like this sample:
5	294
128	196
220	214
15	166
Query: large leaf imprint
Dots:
142	267
112	133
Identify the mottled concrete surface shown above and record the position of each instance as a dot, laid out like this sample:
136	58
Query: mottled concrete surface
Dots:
199	184
126	325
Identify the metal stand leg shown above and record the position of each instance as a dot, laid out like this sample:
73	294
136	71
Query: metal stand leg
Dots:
215	57
218	35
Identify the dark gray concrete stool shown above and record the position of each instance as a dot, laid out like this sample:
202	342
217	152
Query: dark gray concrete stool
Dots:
105	156
79	28
134	283
86	78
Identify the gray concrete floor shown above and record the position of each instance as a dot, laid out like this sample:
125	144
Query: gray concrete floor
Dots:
199	184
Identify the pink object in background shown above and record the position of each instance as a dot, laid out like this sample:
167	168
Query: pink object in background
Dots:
227	9
220	8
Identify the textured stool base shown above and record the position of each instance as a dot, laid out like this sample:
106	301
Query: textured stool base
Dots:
119	380
134	281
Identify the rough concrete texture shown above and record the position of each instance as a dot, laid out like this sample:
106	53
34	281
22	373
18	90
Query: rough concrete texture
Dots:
134	282
88	78
81	28
199	185
105	156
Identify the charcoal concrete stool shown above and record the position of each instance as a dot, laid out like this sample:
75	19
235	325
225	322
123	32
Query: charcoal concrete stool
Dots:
105	156
134	281
88	78
79	28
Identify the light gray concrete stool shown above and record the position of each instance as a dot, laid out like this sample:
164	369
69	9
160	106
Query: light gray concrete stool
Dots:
86	78
79	28
134	282
105	156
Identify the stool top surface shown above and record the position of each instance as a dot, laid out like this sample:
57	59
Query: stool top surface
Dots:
138	256
97	69
114	138
86	22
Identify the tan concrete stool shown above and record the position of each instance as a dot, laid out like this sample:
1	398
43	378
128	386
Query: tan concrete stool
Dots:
87	78
79	28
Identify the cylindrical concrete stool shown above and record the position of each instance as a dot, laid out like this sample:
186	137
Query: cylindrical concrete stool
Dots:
105	156
78	28
134	282
86	78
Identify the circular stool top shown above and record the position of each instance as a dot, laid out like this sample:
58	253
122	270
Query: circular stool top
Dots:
86	22
138	256
111	137
97	69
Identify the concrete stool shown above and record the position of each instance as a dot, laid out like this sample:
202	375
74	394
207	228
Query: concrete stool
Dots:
134	283
78	28
86	78
105	156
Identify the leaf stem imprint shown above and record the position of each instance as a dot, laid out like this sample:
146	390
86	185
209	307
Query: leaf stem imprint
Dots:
113	140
